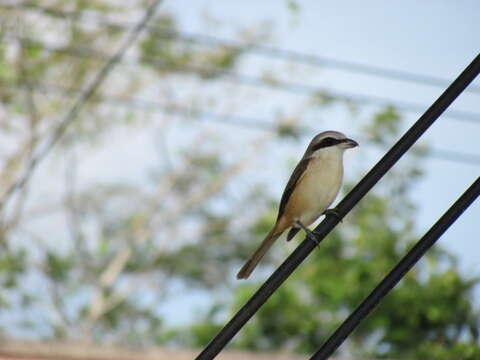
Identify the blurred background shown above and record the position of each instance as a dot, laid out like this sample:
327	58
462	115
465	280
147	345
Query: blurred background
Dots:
131	228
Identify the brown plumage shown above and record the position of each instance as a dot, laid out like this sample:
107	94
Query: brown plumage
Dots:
312	187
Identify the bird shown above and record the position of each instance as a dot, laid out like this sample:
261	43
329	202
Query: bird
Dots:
311	189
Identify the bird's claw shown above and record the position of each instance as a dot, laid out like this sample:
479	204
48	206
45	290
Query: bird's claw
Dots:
309	232
333	212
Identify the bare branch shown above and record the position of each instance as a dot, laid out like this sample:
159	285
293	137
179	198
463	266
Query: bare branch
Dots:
78	105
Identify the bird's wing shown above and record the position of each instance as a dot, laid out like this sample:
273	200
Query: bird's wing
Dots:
295	178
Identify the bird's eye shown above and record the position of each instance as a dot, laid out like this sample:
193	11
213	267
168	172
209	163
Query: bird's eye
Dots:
328	141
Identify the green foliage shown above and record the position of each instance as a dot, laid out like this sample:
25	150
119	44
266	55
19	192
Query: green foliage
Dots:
58	267
439	351
385	123
433	302
293	6
288	129
218	249
191	224
12	265
160	52
429	315
322	98
203	332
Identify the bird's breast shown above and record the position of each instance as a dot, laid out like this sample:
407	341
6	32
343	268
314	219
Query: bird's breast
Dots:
317	189
323	179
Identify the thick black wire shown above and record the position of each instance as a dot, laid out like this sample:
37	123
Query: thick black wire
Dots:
330	221
398	272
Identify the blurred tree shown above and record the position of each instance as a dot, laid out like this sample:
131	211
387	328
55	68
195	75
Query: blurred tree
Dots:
113	242
429	315
118	248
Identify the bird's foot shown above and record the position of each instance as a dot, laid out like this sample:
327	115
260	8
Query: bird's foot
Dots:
309	232
333	212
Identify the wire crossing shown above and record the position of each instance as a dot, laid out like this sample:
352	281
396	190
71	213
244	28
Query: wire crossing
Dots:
350	200
398	272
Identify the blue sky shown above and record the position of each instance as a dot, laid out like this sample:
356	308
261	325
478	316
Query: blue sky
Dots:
429	37
437	38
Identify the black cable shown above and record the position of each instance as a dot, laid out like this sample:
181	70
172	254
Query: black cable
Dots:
262	50
398	272
330	221
228	119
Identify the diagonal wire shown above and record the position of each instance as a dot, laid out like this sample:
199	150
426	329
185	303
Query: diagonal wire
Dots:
210	116
402	146
77	106
398	272
261	50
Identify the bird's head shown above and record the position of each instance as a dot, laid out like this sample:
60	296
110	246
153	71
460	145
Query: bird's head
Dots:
330	140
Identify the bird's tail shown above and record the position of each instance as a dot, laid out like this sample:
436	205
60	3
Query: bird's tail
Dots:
247	269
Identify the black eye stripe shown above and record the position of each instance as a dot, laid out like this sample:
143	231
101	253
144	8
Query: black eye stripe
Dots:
327	142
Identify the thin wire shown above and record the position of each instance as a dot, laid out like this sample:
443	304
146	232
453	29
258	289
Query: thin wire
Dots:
77	106
398	272
454	156
242	121
342	209
148	105
290	87
262	50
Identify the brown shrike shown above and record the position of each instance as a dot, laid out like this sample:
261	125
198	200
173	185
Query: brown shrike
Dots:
313	186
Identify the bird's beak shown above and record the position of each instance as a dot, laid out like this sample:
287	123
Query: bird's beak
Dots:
350	143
